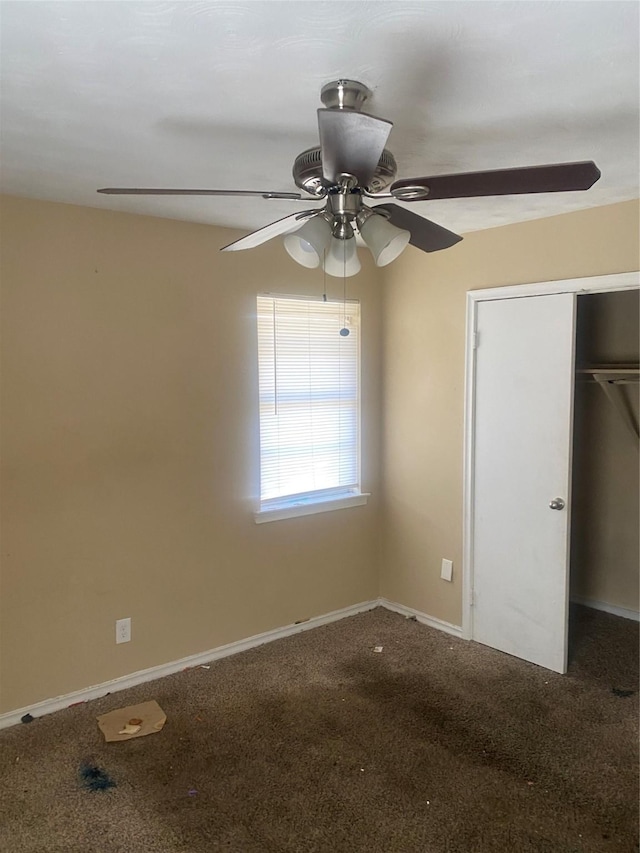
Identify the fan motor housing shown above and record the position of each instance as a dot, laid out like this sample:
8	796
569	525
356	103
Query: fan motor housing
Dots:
307	172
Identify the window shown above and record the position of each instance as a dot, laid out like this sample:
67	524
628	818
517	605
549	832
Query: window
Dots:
309	372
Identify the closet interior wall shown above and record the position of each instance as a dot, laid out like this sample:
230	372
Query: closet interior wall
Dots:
605	535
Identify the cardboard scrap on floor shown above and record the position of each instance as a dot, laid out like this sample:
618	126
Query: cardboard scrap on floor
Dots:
133	721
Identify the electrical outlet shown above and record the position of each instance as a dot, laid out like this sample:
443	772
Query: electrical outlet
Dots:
123	630
446	572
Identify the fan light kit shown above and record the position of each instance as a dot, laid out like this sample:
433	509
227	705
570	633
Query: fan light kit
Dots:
350	165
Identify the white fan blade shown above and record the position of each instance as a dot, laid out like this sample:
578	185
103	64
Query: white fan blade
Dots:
280	226
159	191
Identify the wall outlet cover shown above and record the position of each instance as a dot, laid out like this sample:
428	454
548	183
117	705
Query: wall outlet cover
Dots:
123	630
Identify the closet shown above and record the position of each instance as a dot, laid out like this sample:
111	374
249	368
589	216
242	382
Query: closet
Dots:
551	461
605	527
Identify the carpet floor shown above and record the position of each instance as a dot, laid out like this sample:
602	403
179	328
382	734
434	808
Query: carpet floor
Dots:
318	743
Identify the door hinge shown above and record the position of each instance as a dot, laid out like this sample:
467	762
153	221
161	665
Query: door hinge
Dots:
476	337
472	599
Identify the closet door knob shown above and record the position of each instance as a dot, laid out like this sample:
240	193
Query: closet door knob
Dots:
557	503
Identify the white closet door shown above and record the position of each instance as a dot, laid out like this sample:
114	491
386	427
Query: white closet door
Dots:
522	464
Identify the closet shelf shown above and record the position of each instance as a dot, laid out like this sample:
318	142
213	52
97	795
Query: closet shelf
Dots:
611	378
612	372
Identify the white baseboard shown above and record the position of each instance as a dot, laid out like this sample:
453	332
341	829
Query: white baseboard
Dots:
607	608
431	621
48	706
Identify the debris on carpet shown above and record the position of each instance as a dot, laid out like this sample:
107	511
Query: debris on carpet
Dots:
132	721
624	694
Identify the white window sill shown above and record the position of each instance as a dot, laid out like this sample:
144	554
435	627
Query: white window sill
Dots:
310	507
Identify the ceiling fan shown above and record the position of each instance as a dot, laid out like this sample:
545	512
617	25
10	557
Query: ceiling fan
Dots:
351	164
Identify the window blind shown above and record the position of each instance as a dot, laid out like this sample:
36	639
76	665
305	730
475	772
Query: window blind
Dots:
309	397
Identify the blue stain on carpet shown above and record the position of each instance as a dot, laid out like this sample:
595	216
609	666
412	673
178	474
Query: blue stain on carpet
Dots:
95	778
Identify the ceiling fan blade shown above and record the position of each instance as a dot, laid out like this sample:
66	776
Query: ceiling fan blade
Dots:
153	191
280	226
352	143
560	177
425	235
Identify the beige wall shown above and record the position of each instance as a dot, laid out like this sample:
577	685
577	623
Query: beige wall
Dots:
130	442
130	450
605	522
423	358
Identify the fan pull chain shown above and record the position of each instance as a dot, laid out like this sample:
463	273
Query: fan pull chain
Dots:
344	331
275	360
324	275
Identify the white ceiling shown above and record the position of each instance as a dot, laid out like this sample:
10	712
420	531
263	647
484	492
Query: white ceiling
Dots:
224	95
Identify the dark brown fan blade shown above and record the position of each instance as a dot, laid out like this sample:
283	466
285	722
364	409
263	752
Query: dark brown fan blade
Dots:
561	177
280	226
153	191
425	235
351	143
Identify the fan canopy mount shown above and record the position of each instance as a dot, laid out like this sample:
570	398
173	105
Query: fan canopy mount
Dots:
345	95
